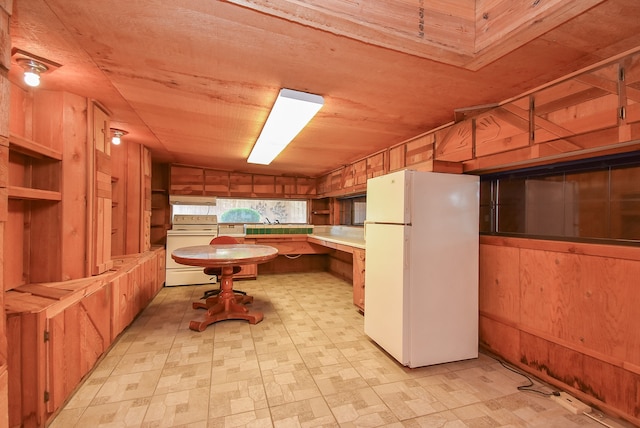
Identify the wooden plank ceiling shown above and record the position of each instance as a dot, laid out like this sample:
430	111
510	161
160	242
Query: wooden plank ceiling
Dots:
194	80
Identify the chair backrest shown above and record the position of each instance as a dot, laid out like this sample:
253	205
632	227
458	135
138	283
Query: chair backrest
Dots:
221	240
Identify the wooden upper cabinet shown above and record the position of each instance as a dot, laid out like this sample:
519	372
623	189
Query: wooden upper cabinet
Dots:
631	88
187	180
577	106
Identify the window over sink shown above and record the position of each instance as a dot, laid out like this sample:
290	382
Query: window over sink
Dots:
234	210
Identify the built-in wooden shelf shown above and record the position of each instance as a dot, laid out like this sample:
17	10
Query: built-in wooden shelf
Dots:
31	148
17	192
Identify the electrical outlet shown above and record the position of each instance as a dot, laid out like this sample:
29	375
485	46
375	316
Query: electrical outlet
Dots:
573	405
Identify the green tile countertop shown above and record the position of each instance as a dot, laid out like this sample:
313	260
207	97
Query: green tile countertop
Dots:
278	229
345	235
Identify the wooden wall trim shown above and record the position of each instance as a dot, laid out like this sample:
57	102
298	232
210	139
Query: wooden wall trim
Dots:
550	338
587	249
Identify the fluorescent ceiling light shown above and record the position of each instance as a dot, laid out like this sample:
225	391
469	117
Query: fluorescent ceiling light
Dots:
290	113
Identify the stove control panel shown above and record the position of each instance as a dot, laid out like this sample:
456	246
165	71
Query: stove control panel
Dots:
188	219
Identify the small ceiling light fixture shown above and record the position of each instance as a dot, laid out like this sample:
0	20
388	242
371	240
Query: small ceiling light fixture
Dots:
290	113
117	135
32	70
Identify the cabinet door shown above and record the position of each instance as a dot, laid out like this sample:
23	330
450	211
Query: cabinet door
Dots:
358	278
99	246
247	271
77	338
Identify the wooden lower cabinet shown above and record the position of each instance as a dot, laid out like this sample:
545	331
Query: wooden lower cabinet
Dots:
56	332
358	278
53	347
247	272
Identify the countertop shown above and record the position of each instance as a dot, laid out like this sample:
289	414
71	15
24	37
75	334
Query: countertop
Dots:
343	235
350	241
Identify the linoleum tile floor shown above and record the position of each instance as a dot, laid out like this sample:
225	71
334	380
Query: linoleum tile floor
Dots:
307	364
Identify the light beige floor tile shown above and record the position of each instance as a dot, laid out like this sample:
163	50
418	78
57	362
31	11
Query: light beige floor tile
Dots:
321	355
337	378
380	369
256	419
407	399
304	338
186	353
361	407
68	417
127	413
294	384
237	397
281	358
141	361
127	387
233	368
307	364
184	377
312	412
444	419
178	408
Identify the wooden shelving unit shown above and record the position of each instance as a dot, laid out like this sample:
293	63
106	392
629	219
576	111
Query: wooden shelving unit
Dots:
34	212
320	212
34	170
160	211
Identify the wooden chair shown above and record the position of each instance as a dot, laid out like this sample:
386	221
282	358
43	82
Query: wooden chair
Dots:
221	240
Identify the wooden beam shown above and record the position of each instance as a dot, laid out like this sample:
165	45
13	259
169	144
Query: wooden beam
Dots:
464	33
569	100
504	25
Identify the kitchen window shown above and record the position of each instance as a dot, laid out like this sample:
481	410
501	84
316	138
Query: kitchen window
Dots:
594	200
233	210
353	210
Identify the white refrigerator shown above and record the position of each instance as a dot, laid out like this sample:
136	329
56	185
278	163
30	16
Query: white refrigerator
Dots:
421	271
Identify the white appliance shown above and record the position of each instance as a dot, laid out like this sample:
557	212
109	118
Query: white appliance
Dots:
188	230
421	272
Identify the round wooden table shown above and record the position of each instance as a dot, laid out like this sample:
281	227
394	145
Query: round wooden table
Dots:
225	305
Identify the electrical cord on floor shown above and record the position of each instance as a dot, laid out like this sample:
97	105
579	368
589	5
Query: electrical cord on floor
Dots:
528	387
292	257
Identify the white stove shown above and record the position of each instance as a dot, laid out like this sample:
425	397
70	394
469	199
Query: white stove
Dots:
188	230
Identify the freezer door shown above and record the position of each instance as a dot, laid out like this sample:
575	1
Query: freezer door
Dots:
387	200
386	280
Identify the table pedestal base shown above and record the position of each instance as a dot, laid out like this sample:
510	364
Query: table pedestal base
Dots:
226	305
241	299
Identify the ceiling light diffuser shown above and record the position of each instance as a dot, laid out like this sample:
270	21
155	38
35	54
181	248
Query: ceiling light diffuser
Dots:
290	113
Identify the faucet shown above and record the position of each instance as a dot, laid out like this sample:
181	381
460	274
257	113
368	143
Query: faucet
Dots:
267	220
277	221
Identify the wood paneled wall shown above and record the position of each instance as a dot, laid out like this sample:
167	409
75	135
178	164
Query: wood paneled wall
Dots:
5	61
131	181
566	312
